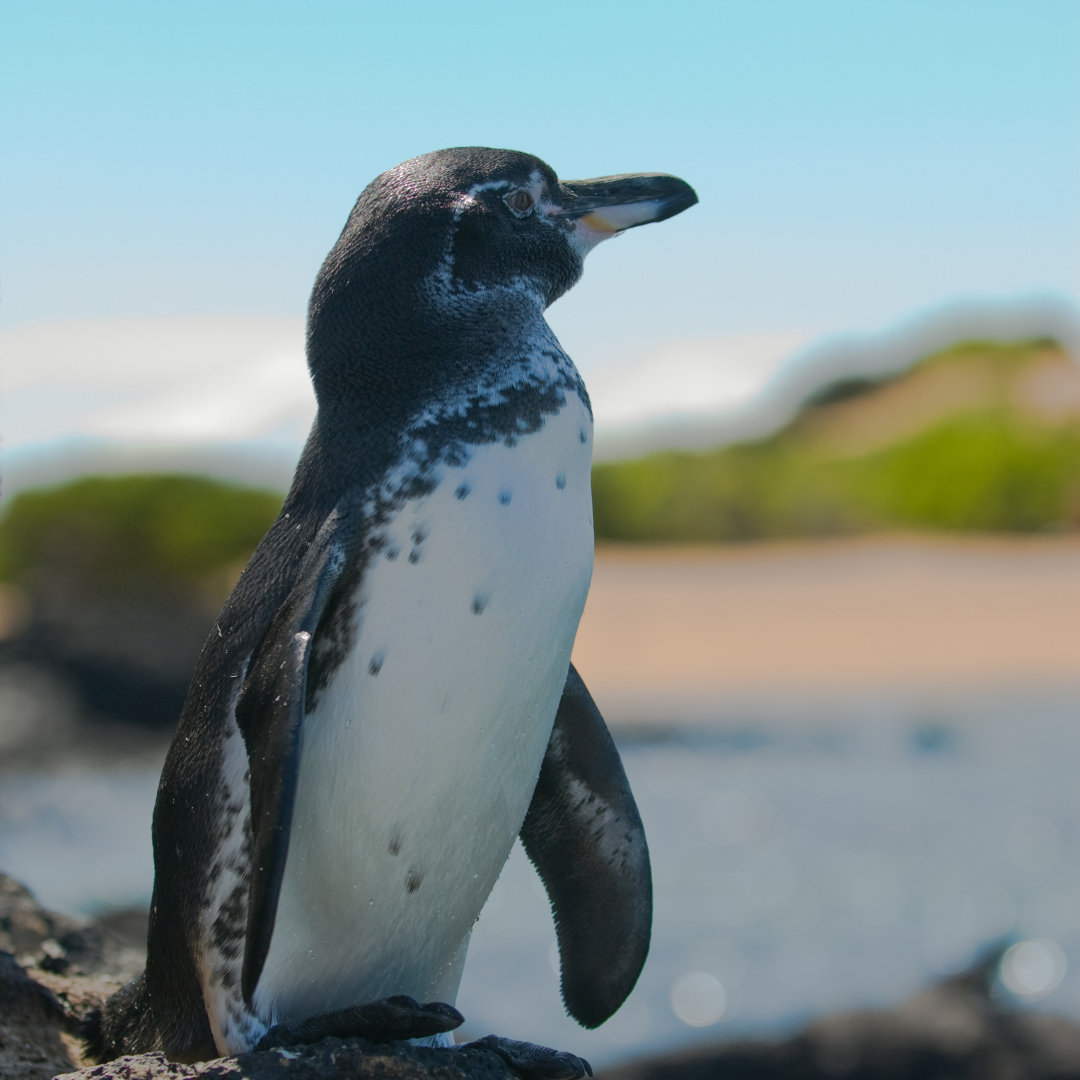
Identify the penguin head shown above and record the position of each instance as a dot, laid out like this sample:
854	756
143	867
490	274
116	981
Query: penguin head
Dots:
465	240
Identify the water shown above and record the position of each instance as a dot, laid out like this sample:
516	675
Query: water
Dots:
831	858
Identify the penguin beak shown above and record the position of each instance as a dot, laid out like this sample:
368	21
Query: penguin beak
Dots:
611	204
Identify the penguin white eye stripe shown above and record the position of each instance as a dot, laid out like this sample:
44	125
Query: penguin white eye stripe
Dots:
520	201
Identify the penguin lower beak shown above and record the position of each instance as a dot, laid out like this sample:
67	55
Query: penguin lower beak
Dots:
612	204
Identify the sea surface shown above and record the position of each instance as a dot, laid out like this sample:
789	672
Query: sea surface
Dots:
819	858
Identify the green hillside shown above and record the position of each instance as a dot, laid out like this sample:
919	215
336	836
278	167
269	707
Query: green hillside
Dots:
980	437
177	535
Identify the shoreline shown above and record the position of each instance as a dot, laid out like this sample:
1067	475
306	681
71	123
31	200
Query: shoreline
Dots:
682	630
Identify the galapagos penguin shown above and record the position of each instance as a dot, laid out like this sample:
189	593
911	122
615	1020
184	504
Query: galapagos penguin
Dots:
386	700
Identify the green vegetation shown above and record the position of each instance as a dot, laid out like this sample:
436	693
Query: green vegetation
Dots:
121	535
981	437
979	472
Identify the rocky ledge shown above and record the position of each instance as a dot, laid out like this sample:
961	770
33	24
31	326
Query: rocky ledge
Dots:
331	1059
54	970
960	1029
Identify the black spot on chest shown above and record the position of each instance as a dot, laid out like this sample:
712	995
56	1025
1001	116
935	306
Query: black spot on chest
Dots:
444	440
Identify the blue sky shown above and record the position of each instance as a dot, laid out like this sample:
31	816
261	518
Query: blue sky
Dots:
856	162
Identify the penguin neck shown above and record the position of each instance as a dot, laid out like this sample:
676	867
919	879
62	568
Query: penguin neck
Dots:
462	348
495	382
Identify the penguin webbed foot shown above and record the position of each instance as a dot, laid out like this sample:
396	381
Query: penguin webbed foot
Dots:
532	1062
387	1020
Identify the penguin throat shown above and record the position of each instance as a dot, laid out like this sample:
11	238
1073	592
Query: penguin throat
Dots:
521	298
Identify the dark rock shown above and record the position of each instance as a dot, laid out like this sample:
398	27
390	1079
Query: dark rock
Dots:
53	971
66	968
46	720
113	948
957	1030
32	1025
126	657
961	1029
112	584
331	1059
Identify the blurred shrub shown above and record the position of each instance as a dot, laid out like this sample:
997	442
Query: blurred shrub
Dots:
981	472
121	579
984	436
747	492
130	534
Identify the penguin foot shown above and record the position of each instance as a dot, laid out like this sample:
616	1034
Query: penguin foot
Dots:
532	1062
387	1020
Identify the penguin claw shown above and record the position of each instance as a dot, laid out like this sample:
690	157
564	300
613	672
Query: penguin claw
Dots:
532	1062
388	1020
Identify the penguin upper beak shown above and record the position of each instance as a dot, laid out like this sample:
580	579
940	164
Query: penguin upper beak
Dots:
611	204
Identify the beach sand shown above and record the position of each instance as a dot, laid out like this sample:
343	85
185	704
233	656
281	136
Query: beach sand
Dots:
680	631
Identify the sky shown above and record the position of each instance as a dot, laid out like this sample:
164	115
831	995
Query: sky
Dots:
857	164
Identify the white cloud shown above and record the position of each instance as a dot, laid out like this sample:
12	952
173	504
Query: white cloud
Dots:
268	396
155	380
191	381
699	377
239	386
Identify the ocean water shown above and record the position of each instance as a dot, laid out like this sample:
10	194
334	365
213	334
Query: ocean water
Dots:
805	860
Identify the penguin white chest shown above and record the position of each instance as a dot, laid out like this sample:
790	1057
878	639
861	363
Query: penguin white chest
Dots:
421	754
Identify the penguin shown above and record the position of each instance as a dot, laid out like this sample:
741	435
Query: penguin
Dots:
386	700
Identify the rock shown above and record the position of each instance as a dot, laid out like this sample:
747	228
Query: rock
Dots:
113	949
53	971
126	658
960	1029
112	584
38	1040
47	722
957	1030
62	968
32	1024
331	1059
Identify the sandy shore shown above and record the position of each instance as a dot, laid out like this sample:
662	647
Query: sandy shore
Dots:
690	626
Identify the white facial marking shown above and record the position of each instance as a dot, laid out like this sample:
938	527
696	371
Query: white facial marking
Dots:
605	222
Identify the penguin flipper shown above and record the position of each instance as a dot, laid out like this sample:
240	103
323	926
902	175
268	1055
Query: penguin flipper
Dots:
585	837
270	714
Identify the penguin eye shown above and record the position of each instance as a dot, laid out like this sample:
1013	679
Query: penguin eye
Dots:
520	201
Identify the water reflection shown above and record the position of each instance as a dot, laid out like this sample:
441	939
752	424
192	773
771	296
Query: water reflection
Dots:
698	999
819	865
826	866
738	817
1034	843
801	965
1033	969
632	1024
